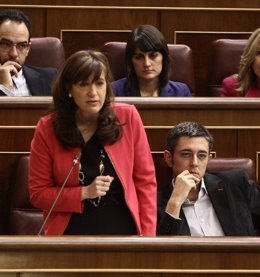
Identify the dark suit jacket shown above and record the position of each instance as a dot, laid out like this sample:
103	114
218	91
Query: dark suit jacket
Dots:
39	80
235	198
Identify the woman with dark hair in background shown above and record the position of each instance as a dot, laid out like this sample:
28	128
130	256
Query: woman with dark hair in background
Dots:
147	64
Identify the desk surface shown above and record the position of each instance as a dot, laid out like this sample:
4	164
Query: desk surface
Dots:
161	111
158	102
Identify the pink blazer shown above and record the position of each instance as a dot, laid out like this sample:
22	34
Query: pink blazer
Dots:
131	157
229	88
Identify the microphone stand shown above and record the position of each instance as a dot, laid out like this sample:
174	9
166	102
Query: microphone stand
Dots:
75	161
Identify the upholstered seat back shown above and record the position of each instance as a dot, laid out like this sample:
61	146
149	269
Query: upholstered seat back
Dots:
24	218
182	69
46	52
225	59
115	52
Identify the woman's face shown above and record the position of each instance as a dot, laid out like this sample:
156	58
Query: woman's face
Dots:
147	65
256	64
89	95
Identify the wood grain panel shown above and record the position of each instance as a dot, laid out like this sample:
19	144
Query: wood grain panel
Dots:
248	142
16	140
101	19
222	146
39	21
122	256
171	17
200	28
73	40
136	3
203	40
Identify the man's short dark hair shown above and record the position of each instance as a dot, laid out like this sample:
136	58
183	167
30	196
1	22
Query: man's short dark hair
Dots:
188	129
16	16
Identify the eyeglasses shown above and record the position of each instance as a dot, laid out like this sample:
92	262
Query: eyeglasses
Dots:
7	45
201	155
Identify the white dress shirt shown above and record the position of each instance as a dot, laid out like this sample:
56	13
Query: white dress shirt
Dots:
201	216
20	87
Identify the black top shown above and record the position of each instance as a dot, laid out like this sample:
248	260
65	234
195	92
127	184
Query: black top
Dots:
111	216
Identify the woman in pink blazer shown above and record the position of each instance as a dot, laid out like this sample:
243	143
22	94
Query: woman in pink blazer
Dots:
247	82
100	148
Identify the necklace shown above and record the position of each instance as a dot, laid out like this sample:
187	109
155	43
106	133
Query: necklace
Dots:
101	168
101	163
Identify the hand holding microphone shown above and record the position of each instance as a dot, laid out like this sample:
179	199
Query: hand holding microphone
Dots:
99	187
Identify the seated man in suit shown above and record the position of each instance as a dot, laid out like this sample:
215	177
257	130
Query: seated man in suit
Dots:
198	203
16	79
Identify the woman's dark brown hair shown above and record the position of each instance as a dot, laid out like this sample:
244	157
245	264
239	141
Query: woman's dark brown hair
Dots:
146	38
77	68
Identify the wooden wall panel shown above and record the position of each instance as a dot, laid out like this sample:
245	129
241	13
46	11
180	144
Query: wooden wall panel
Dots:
200	28
248	142
74	40
225	142
145	3
222	146
201	41
80	29
16	140
101	256
180	22
39	21
98	19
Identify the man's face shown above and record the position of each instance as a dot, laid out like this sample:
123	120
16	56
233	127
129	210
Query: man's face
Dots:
13	33
192	154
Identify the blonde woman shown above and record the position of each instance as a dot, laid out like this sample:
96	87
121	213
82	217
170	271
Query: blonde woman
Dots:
247	82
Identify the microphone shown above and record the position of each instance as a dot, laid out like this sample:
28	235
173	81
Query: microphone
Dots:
74	162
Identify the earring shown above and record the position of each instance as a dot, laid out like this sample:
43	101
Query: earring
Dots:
70	95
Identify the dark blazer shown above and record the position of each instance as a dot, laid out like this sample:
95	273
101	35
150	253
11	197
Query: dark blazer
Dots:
120	88
235	198
39	79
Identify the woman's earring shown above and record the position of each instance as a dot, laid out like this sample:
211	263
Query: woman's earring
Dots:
70	95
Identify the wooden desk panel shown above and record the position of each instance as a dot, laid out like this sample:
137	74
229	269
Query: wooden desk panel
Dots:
130	256
234	122
163	111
